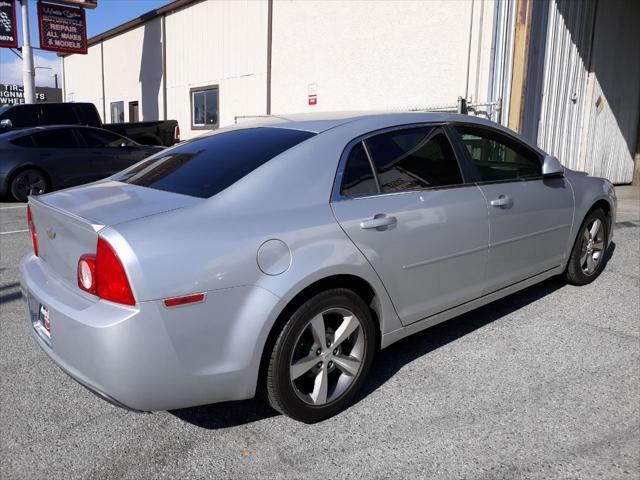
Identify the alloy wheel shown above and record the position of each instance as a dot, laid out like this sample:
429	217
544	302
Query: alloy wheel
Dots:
327	357
30	183
592	247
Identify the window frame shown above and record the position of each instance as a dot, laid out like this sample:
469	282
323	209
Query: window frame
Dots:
471	164
213	126
336	193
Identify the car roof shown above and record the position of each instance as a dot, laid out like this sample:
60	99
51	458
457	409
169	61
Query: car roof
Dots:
319	122
322	121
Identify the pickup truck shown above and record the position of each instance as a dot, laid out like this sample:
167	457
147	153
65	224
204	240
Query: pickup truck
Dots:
161	132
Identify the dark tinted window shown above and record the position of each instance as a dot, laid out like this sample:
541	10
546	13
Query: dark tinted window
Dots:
498	157
55	114
414	158
23	115
26	141
208	165
101	139
357	178
55	138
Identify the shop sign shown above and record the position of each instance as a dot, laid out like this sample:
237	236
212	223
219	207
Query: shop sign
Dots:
62	29
8	25
14	94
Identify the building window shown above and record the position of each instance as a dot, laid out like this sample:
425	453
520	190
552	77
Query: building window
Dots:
117	112
204	108
134	112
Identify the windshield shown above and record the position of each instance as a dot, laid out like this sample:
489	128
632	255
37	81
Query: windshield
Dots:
207	165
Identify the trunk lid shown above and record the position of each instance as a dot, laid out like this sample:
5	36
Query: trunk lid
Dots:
68	222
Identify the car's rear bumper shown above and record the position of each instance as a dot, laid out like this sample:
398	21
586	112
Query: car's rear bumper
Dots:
149	357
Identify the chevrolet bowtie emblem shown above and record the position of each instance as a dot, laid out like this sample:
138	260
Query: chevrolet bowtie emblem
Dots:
51	234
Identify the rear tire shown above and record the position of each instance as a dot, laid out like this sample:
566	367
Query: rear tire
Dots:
28	182
587	257
322	356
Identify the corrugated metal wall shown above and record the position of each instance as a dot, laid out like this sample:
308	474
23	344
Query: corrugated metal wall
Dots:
590	97
570	26
613	104
504	22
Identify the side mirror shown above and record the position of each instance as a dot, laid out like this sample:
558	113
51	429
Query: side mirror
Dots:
5	125
551	167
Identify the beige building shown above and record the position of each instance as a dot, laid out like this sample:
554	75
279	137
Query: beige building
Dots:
540	67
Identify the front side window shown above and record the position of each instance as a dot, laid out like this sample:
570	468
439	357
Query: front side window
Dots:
498	157
404	160
101	139
204	108
207	165
117	112
23	116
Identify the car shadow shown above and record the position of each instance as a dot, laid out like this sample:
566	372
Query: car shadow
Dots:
388	361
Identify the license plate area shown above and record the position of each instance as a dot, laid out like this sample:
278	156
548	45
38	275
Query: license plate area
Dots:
40	319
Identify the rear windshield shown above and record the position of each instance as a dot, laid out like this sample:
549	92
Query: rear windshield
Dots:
205	166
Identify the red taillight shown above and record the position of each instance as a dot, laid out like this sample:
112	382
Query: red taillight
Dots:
87	273
32	229
103	275
176	133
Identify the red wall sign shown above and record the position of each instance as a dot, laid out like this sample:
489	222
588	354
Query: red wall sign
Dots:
313	99
62	29
8	25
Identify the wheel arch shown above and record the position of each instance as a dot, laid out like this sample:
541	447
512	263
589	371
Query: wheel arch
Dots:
358	285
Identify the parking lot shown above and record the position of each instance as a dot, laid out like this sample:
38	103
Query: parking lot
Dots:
542	384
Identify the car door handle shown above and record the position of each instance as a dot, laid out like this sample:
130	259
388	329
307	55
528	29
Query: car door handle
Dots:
379	222
502	202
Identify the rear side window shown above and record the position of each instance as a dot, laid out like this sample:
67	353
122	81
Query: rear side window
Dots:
357	178
409	159
56	138
26	141
207	165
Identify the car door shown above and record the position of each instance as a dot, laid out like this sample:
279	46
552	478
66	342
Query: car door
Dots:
402	199
60	153
110	152
530	216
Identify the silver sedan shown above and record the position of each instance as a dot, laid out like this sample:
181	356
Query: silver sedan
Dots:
279	256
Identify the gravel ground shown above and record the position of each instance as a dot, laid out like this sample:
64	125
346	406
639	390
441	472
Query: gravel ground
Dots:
542	384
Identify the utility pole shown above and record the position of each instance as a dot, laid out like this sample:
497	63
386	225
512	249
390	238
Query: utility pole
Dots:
28	72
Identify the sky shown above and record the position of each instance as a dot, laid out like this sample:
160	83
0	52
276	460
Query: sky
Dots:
109	13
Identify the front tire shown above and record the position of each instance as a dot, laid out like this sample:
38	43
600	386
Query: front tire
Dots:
322	356
29	182
587	257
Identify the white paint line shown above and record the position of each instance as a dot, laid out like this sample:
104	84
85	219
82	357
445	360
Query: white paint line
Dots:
9	208
13	231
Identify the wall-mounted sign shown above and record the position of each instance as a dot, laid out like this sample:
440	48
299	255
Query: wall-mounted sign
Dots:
62	29
8	25
312	94
13	94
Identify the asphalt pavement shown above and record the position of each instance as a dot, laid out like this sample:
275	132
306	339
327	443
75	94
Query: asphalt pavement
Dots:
542	384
